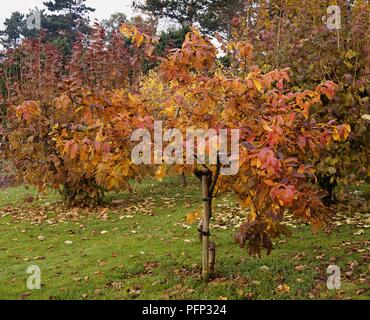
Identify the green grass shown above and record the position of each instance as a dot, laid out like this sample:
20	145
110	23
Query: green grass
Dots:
158	257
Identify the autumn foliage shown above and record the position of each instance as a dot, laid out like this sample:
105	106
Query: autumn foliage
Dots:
294	34
80	144
77	139
69	125
278	135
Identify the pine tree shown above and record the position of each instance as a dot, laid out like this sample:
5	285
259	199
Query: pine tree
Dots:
69	17
211	15
14	27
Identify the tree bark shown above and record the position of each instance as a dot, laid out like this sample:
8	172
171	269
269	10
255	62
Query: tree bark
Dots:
183	180
212	257
205	228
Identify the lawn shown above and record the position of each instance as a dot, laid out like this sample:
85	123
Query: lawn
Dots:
139	246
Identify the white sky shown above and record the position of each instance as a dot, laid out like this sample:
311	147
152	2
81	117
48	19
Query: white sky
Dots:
104	8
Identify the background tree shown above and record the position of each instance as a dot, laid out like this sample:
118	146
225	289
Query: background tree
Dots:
70	18
183	12
171	39
294	34
210	16
68	125
114	22
14	30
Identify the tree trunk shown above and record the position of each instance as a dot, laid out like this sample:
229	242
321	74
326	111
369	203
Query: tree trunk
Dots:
212	257
205	228
183	180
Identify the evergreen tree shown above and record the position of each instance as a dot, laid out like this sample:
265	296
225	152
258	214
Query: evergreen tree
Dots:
210	15
67	19
14	28
75	9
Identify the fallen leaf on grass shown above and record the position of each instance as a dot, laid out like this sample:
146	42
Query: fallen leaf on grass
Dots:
25	295
39	258
359	232
134	291
299	267
283	288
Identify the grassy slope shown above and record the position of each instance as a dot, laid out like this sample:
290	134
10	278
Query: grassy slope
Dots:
157	257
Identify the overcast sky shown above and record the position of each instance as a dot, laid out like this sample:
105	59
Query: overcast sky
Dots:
104	8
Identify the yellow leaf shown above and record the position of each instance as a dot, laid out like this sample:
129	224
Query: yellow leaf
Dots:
350	54
283	288
126	31
347	131
132	99
161	172
336	136
258	84
259	164
139	38
193	216
267	128
252	214
269	182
